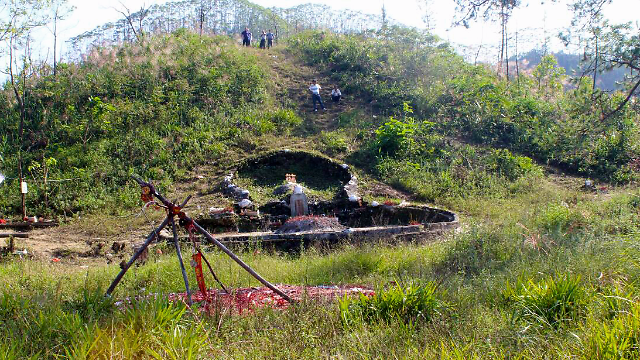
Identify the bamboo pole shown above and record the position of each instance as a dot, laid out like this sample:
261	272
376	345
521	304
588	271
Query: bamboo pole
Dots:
213	273
184	272
242	263
150	238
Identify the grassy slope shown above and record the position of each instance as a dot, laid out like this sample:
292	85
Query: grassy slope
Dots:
533	228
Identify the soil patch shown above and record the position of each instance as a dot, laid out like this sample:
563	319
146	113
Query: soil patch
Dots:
244	300
310	224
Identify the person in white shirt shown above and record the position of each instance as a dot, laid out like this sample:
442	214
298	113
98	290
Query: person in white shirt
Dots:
315	95
336	95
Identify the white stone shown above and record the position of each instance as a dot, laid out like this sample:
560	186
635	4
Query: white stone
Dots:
375	204
353	198
344	166
245	203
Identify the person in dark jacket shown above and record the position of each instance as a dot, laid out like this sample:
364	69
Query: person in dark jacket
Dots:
263	40
270	37
246	37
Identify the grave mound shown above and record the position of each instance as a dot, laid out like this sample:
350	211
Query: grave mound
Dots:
310	224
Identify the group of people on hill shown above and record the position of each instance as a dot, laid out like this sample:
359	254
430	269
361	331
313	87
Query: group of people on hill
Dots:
266	41
266	38
314	88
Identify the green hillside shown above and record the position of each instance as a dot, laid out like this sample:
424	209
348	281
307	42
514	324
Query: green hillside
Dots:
541	267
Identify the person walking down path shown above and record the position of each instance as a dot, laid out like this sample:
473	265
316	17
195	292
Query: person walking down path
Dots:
270	37
263	40
246	37
336	95
315	95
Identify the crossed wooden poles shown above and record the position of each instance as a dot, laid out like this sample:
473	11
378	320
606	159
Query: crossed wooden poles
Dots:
173	210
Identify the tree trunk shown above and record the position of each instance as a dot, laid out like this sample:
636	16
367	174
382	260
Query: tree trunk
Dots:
517	60
595	68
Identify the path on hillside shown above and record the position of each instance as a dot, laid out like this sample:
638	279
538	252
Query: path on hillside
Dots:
292	79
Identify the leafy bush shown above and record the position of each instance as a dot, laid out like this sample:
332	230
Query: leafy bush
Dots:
408	305
552	301
559	218
394	137
333	143
511	167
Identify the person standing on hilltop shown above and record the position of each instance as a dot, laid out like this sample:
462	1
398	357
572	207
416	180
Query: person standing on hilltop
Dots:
246	37
315	95
270	37
263	40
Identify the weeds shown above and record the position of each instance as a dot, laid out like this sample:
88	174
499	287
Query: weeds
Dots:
409	305
615	340
552	301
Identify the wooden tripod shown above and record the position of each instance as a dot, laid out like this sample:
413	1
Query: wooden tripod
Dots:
176	210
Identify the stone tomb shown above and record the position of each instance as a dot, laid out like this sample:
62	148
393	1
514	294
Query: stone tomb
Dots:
359	218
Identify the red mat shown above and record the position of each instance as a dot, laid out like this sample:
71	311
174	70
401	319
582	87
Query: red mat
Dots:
249	299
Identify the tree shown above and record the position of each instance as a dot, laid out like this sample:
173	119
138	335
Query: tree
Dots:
20	17
548	75
60	10
491	10
427	15
135	17
607	47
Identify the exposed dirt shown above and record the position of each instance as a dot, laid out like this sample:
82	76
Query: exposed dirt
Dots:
249	299
310	223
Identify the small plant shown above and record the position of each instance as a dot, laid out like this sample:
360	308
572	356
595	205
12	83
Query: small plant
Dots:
618	339
408	305
552	301
560	218
512	167
394	137
333	143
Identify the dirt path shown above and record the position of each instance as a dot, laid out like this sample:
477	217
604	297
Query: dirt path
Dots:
292	79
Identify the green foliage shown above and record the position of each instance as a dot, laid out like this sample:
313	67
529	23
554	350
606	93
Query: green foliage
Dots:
409	304
548	75
559	218
155	109
533	116
394	137
551	301
615	340
333	143
390	72
502	162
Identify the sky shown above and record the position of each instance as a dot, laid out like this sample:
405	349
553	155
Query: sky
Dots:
533	22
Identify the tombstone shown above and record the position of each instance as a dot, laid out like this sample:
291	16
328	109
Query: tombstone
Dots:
290	178
298	203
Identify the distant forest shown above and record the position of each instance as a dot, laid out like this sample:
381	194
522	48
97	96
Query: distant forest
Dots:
607	81
229	17
223	17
